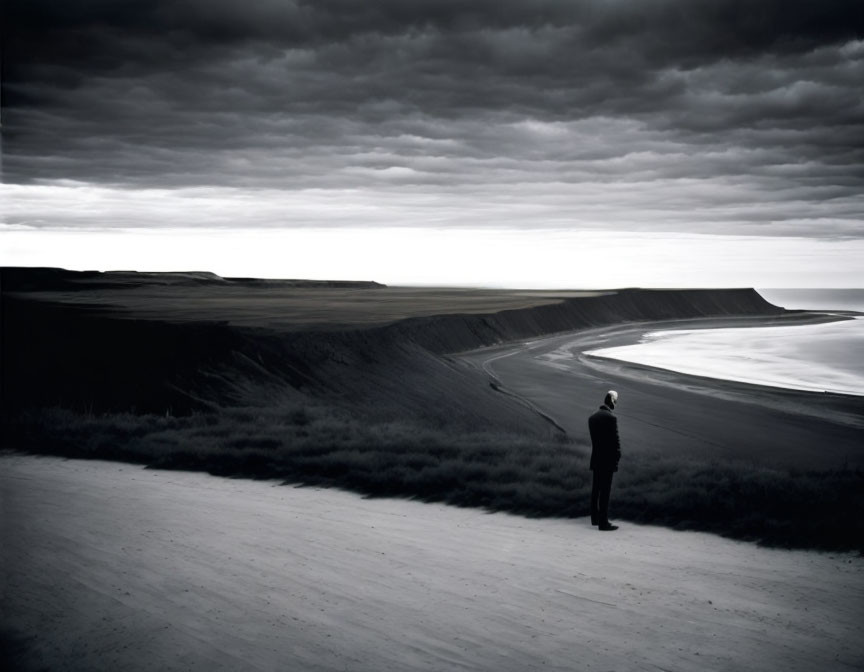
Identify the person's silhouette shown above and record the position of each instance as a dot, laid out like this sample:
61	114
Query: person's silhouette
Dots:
605	455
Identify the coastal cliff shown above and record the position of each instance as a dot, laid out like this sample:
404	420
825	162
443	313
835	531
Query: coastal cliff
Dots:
80	353
455	333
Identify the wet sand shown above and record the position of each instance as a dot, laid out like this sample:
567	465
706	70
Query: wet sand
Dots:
668	413
114	567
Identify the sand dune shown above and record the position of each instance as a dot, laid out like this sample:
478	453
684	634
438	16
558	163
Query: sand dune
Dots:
113	567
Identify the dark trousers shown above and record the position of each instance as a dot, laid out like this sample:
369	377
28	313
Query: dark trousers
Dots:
601	488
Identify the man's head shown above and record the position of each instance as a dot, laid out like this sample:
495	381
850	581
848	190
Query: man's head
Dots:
611	398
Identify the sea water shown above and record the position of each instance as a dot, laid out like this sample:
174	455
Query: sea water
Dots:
816	299
826	357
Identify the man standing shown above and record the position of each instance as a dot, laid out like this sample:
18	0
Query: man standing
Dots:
605	454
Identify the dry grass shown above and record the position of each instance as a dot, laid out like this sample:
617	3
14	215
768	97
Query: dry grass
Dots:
325	445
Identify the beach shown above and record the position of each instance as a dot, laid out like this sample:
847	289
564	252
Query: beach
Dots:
826	357
111	566
666	413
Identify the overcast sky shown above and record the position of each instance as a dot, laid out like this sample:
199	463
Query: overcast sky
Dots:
583	123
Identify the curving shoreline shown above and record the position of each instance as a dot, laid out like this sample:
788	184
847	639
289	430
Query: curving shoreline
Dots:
800	357
669	413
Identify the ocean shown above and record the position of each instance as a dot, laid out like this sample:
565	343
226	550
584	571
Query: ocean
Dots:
816	299
817	357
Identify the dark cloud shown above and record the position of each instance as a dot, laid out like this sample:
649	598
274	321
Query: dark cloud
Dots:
442	95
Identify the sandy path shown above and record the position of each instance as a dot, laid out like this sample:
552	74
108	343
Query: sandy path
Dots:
114	567
673	413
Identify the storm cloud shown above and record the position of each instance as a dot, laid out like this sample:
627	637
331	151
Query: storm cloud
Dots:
715	116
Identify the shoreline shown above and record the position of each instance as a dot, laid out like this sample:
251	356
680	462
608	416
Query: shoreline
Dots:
657	353
665	412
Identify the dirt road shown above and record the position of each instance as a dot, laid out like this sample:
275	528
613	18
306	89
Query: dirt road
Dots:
109	566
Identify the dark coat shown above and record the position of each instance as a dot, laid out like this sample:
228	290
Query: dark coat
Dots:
605	444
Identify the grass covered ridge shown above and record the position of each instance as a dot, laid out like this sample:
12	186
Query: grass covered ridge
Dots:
316	444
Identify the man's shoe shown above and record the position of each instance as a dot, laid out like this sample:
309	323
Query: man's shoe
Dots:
607	527
595	522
